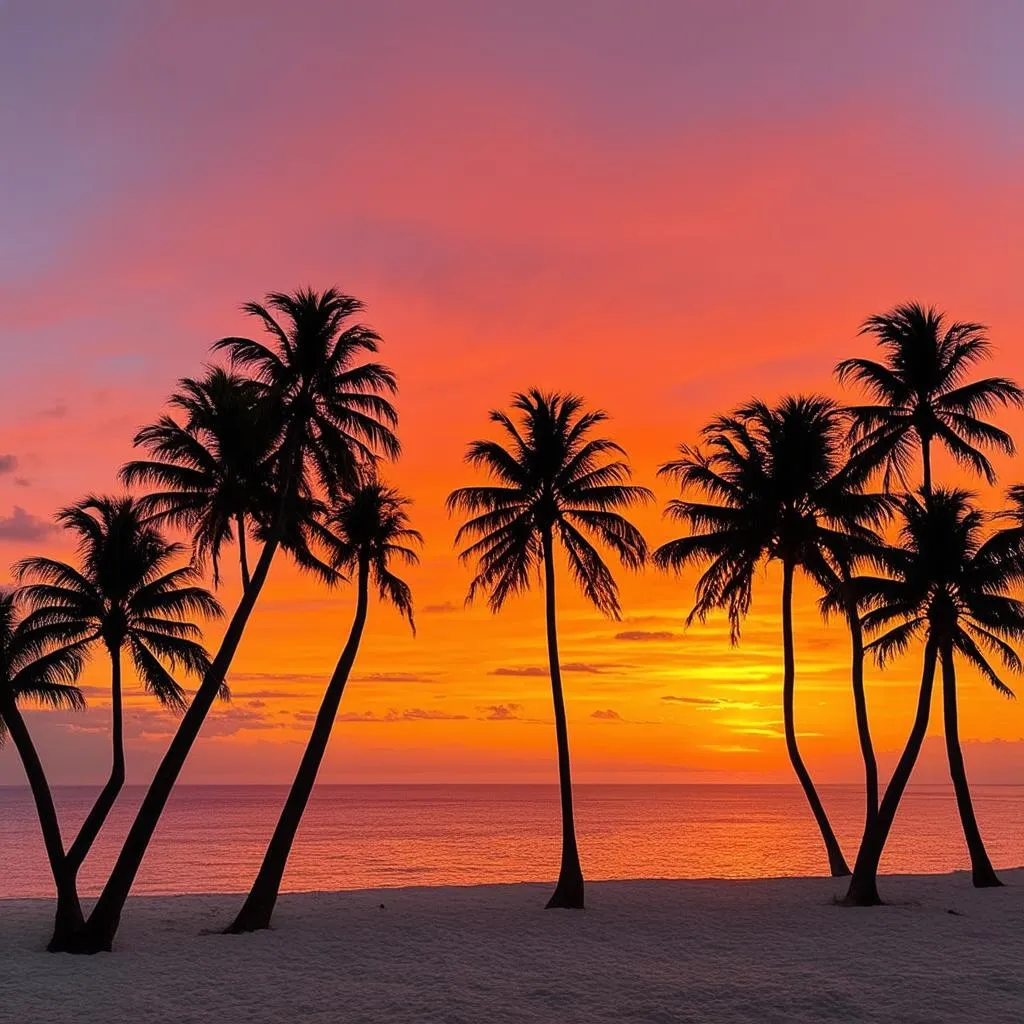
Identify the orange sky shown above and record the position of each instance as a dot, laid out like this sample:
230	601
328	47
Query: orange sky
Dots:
666	213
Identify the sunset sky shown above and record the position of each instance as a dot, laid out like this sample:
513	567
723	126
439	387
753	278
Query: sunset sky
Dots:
666	207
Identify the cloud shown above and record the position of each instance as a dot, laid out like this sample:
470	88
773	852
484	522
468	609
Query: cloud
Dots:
22	481
642	634
267	694
591	668
444	608
22	525
257	703
606	715
720	703
8	463
393	677
501	712
392	715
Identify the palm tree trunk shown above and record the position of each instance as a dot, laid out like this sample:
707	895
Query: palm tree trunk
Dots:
97	816
982	872
836	861
863	891
568	892
98	934
926	459
69	910
258	908
243	558
860	704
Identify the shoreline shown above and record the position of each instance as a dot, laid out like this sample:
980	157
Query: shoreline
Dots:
657	951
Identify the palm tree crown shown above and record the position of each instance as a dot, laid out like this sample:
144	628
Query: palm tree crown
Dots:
777	486
921	393
335	419
210	470
123	596
552	479
370	528
947	582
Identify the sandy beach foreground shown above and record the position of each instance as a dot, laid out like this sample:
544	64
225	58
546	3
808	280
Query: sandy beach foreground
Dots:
658	951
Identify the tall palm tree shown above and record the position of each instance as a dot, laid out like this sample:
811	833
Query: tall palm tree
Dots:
124	598
553	481
31	670
950	587
210	471
333	421
777	487
922	394
369	532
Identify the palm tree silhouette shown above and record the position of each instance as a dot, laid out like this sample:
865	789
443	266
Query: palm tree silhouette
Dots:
32	670
210	472
333	422
778	488
952	588
369	531
553	480
124	598
922	394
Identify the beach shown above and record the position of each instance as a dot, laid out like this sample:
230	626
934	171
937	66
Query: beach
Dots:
659	951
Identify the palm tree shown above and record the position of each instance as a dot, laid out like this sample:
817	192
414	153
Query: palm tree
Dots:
949	587
31	670
369	532
211	470
125	599
552	481
333	422
921	394
778	488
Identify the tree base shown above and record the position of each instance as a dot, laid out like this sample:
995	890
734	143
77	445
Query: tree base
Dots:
862	893
245	927
568	895
987	880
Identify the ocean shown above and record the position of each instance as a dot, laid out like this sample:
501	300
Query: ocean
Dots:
211	838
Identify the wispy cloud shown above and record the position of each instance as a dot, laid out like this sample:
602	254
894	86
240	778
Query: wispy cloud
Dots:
643	635
392	715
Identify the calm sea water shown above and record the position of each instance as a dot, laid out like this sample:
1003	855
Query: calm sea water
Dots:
212	837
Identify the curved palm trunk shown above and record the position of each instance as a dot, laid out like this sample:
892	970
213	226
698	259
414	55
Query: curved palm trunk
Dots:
860	704
258	908
94	821
836	861
982	872
243	557
863	891
99	931
69	910
568	892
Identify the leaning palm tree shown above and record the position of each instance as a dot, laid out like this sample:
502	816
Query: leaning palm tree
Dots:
209	472
777	487
32	670
951	588
553	482
921	394
333	420
369	531
124	599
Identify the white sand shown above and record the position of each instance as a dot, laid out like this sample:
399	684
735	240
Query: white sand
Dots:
659	951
